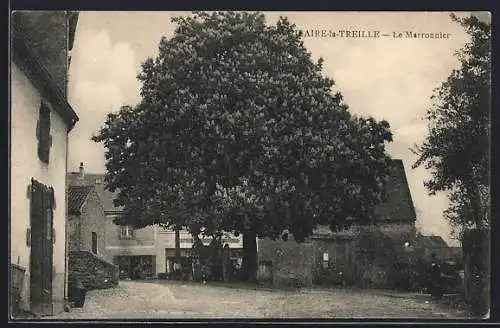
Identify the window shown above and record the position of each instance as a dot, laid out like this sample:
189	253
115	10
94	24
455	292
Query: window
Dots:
43	134
126	232
163	229
94	242
325	260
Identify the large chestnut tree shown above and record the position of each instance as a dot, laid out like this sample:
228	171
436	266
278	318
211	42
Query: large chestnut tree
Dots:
238	131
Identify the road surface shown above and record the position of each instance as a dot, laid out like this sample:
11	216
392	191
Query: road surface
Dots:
177	300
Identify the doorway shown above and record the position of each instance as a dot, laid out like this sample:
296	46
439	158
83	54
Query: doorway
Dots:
136	267
41	255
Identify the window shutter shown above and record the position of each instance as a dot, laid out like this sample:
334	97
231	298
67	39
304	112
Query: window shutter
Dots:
52	198
44	134
94	243
28	237
49	136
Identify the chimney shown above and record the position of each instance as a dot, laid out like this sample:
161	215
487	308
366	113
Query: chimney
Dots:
81	170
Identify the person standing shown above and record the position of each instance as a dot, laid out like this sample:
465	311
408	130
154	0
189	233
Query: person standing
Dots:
435	278
177	270
226	263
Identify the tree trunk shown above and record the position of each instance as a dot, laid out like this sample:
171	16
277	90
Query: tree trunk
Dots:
249	263
476	253
177	245
476	205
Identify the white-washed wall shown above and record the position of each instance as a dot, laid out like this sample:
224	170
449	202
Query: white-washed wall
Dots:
24	165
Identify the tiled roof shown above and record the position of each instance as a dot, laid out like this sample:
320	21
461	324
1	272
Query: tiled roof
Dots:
432	242
97	181
38	55
436	245
398	206
323	231
76	198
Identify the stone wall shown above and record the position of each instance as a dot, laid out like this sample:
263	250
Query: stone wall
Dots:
293	264
73	232
93	271
282	260
339	268
405	228
382	259
93	220
285	262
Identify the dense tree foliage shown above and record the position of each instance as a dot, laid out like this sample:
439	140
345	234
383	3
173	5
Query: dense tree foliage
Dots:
238	131
457	147
460	213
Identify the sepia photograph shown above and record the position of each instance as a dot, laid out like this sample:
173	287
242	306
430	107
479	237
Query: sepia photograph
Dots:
243	165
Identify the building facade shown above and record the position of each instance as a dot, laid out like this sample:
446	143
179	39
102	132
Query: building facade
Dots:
145	252
40	120
166	242
86	224
89	261
339	257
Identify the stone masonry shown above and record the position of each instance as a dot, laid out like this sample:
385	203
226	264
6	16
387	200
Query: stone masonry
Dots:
93	271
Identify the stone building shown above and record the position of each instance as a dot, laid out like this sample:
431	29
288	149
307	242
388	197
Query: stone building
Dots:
86	221
86	234
40	120
339	257
151	248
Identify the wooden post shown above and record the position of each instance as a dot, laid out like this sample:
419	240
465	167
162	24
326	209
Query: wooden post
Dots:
177	245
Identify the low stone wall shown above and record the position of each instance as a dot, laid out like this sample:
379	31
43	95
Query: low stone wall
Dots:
93	271
340	263
265	272
293	265
286	263
17	281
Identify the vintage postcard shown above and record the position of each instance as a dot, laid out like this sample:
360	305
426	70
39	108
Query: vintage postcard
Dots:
249	165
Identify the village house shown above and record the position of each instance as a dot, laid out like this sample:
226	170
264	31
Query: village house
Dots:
166	240
124	246
361	253
86	233
40	120
146	252
437	245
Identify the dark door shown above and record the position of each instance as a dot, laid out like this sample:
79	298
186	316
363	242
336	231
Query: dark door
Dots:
94	242
41	248
125	267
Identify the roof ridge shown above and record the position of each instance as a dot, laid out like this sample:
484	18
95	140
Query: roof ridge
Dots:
77	196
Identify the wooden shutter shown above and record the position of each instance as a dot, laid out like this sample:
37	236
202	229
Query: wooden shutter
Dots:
44	137
41	255
36	243
94	242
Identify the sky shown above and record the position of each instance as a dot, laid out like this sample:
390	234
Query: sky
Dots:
387	78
